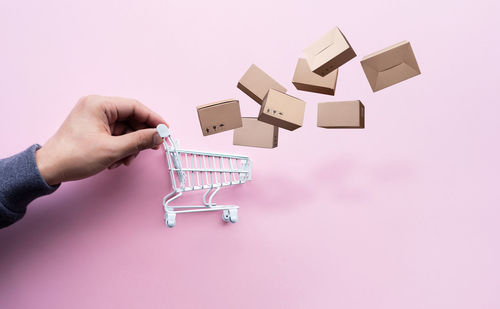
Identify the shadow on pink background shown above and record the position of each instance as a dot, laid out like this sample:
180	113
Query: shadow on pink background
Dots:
402	214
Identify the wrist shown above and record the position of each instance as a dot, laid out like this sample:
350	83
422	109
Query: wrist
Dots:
45	167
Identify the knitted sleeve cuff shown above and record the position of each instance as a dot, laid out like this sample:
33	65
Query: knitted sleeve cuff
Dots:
21	181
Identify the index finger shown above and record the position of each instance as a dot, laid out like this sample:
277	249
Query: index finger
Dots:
131	109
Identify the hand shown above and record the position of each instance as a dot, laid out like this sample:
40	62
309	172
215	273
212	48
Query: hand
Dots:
99	133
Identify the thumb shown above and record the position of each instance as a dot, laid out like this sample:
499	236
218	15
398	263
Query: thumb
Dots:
134	142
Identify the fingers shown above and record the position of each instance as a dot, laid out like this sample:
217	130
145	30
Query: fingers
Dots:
136	125
134	111
125	161
120	128
128	160
134	142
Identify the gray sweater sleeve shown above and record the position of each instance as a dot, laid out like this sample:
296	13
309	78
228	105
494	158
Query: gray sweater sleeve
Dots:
20	183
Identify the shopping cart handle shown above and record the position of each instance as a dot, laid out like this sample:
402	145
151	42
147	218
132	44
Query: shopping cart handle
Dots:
163	130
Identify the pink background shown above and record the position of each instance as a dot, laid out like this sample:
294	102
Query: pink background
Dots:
403	214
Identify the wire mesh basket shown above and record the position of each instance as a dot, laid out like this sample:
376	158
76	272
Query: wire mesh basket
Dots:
192	170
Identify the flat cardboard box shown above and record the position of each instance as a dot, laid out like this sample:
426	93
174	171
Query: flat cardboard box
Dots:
329	52
282	110
256	133
219	116
390	66
306	80
342	115
256	83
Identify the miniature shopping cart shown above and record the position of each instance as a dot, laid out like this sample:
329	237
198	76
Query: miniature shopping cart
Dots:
195	170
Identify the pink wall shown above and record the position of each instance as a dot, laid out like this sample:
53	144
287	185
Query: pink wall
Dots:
403	214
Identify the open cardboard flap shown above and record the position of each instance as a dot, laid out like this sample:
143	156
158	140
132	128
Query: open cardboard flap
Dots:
390	66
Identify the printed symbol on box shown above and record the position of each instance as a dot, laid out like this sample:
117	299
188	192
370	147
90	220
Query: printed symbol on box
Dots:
274	112
214	127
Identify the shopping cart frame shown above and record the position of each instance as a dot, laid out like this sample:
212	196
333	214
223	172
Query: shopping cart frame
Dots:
202	171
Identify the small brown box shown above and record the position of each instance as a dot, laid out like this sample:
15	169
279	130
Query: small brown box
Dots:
256	133
219	116
329	52
306	80
342	115
282	110
390	66
256	83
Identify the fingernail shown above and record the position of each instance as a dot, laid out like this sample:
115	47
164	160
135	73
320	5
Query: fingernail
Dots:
157	139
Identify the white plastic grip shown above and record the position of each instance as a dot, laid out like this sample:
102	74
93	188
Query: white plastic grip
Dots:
163	130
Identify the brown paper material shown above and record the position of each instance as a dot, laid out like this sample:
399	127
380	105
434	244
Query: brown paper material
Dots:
329	52
344	114
282	110
219	116
256	133
256	83
390	66
306	80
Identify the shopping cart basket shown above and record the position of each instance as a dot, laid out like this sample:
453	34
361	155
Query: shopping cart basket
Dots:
195	170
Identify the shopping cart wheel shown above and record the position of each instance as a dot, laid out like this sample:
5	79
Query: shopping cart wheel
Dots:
225	215
170	220
233	215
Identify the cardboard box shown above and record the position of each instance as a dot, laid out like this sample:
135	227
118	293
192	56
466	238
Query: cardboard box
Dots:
390	66
256	83
345	114
329	52
306	80
219	116
256	133
282	110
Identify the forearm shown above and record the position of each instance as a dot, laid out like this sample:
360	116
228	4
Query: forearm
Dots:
20	183
99	133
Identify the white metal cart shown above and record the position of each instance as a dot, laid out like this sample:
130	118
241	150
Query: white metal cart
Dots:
196	170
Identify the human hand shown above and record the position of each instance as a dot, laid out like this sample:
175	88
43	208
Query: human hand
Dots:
99	133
